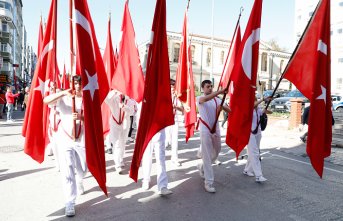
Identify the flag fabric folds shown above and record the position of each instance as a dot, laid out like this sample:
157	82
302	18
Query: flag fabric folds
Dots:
110	62
184	85
36	117
40	38
157	109
309	70
65	79
244	76
231	58
90	66
128	77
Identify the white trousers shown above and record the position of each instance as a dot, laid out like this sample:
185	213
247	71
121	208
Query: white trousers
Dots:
172	136
118	138
253	163
52	147
159	149
71	158
210	149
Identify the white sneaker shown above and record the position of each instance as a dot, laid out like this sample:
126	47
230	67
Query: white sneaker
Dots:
201	171
210	188
165	191
248	173
145	185
119	170
80	189
217	162
70	210
260	179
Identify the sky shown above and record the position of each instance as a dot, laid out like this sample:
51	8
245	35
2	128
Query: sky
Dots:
277	20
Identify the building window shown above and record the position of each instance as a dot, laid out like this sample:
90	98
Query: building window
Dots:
176	52
310	14
208	60
222	54
192	52
339	31
340	4
331	32
340	60
281	65
339	83
264	62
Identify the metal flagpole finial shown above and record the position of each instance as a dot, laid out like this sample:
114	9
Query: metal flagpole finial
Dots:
240	11
188	4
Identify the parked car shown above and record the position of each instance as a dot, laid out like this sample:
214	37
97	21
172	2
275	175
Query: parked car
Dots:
338	106
336	99
269	93
283	104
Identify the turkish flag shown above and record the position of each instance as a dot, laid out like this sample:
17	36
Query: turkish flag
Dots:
231	57
157	108
65	79
58	81
184	85
309	70
36	117
244	80
40	38
94	90
128	77
110	62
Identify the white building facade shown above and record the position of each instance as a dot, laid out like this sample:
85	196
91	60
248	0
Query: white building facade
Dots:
271	62
303	12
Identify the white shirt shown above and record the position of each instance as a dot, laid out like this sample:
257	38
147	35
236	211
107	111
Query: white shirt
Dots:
254	119
208	112
64	107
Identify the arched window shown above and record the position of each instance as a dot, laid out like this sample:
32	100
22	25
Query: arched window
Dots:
281	65
222	54
176	52
264	62
208	60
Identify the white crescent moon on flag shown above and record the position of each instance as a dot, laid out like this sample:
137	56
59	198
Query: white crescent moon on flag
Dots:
48	47
247	52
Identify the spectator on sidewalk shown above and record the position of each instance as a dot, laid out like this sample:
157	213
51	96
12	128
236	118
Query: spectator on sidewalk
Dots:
26	97
10	103
304	122
2	102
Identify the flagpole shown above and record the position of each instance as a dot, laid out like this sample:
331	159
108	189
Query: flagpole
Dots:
72	63
294	52
228	84
55	46
234	34
211	74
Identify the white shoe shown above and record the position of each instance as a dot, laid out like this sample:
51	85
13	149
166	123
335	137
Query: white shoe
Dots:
145	185
80	189
70	210
217	162
119	170
260	179
210	188
165	191
201	171
248	173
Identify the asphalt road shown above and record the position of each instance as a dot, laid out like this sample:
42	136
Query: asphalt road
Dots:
32	191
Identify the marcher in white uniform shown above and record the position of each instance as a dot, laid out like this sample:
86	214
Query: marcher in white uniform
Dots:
156	145
71	151
54	120
208	105
172	132
121	109
253	166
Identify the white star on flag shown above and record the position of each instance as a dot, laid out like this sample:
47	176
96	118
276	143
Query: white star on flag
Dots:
92	83
323	95
43	86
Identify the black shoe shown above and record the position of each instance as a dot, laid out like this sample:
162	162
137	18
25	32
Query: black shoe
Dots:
303	139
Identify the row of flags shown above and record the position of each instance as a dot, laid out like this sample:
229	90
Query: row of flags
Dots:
122	71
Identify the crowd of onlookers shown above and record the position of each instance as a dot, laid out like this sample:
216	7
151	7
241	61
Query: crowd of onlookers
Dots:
10	101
